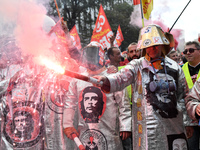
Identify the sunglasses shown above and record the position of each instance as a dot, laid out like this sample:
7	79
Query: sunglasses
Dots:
191	50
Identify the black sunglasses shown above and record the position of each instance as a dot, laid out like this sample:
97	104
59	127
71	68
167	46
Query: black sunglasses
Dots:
191	50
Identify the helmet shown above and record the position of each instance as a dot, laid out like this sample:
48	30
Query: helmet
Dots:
153	35
93	54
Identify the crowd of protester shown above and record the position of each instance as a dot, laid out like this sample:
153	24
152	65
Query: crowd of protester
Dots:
148	98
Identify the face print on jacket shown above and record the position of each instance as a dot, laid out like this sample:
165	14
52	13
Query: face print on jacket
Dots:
177	142
162	95
92	104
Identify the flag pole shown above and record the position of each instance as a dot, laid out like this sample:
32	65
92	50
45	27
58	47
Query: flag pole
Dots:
142	13
64	23
57	9
179	16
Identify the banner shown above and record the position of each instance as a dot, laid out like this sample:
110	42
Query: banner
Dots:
57	29
119	37
75	37
102	31
147	6
136	2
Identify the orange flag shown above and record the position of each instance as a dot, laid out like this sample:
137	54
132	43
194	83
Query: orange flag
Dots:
136	2
75	37
102	30
147	8
119	37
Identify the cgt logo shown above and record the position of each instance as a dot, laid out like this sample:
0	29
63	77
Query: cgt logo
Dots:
105	41
100	23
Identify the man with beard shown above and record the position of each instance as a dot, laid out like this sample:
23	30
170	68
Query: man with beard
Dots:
92	104
23	124
151	75
133	52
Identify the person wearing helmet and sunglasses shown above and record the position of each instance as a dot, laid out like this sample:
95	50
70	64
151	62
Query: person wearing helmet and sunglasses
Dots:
191	70
102	118
159	89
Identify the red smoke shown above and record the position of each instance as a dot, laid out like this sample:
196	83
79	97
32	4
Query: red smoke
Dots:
175	32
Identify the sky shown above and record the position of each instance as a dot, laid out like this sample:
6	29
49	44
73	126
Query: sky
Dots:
189	21
166	12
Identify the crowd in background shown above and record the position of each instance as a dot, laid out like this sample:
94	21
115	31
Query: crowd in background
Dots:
139	104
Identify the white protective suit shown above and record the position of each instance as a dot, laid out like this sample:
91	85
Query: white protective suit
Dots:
192	100
38	110
157	116
99	129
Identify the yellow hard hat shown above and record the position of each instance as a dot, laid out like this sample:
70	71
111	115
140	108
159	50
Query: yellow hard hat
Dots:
153	35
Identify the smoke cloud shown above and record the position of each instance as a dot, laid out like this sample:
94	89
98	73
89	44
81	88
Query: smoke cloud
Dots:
24	20
157	17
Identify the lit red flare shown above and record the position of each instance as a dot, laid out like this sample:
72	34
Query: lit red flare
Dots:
78	142
61	70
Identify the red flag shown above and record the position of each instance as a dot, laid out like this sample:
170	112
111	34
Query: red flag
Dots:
119	37
57	29
136	2
75	37
102	31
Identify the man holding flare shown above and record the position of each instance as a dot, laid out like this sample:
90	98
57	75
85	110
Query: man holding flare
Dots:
159	89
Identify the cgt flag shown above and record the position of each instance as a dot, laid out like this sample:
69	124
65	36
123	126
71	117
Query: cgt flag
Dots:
57	29
75	37
147	6
102	30
119	37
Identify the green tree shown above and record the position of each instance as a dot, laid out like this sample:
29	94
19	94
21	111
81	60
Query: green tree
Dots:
84	14
120	15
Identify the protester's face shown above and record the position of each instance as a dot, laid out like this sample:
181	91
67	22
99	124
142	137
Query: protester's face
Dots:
191	57
174	56
133	53
154	51
179	144
116	55
179	56
90	101
20	123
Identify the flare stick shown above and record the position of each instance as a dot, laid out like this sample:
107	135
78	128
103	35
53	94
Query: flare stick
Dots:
78	142
82	77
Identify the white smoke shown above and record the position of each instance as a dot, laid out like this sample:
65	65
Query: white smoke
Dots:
167	12
24	20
